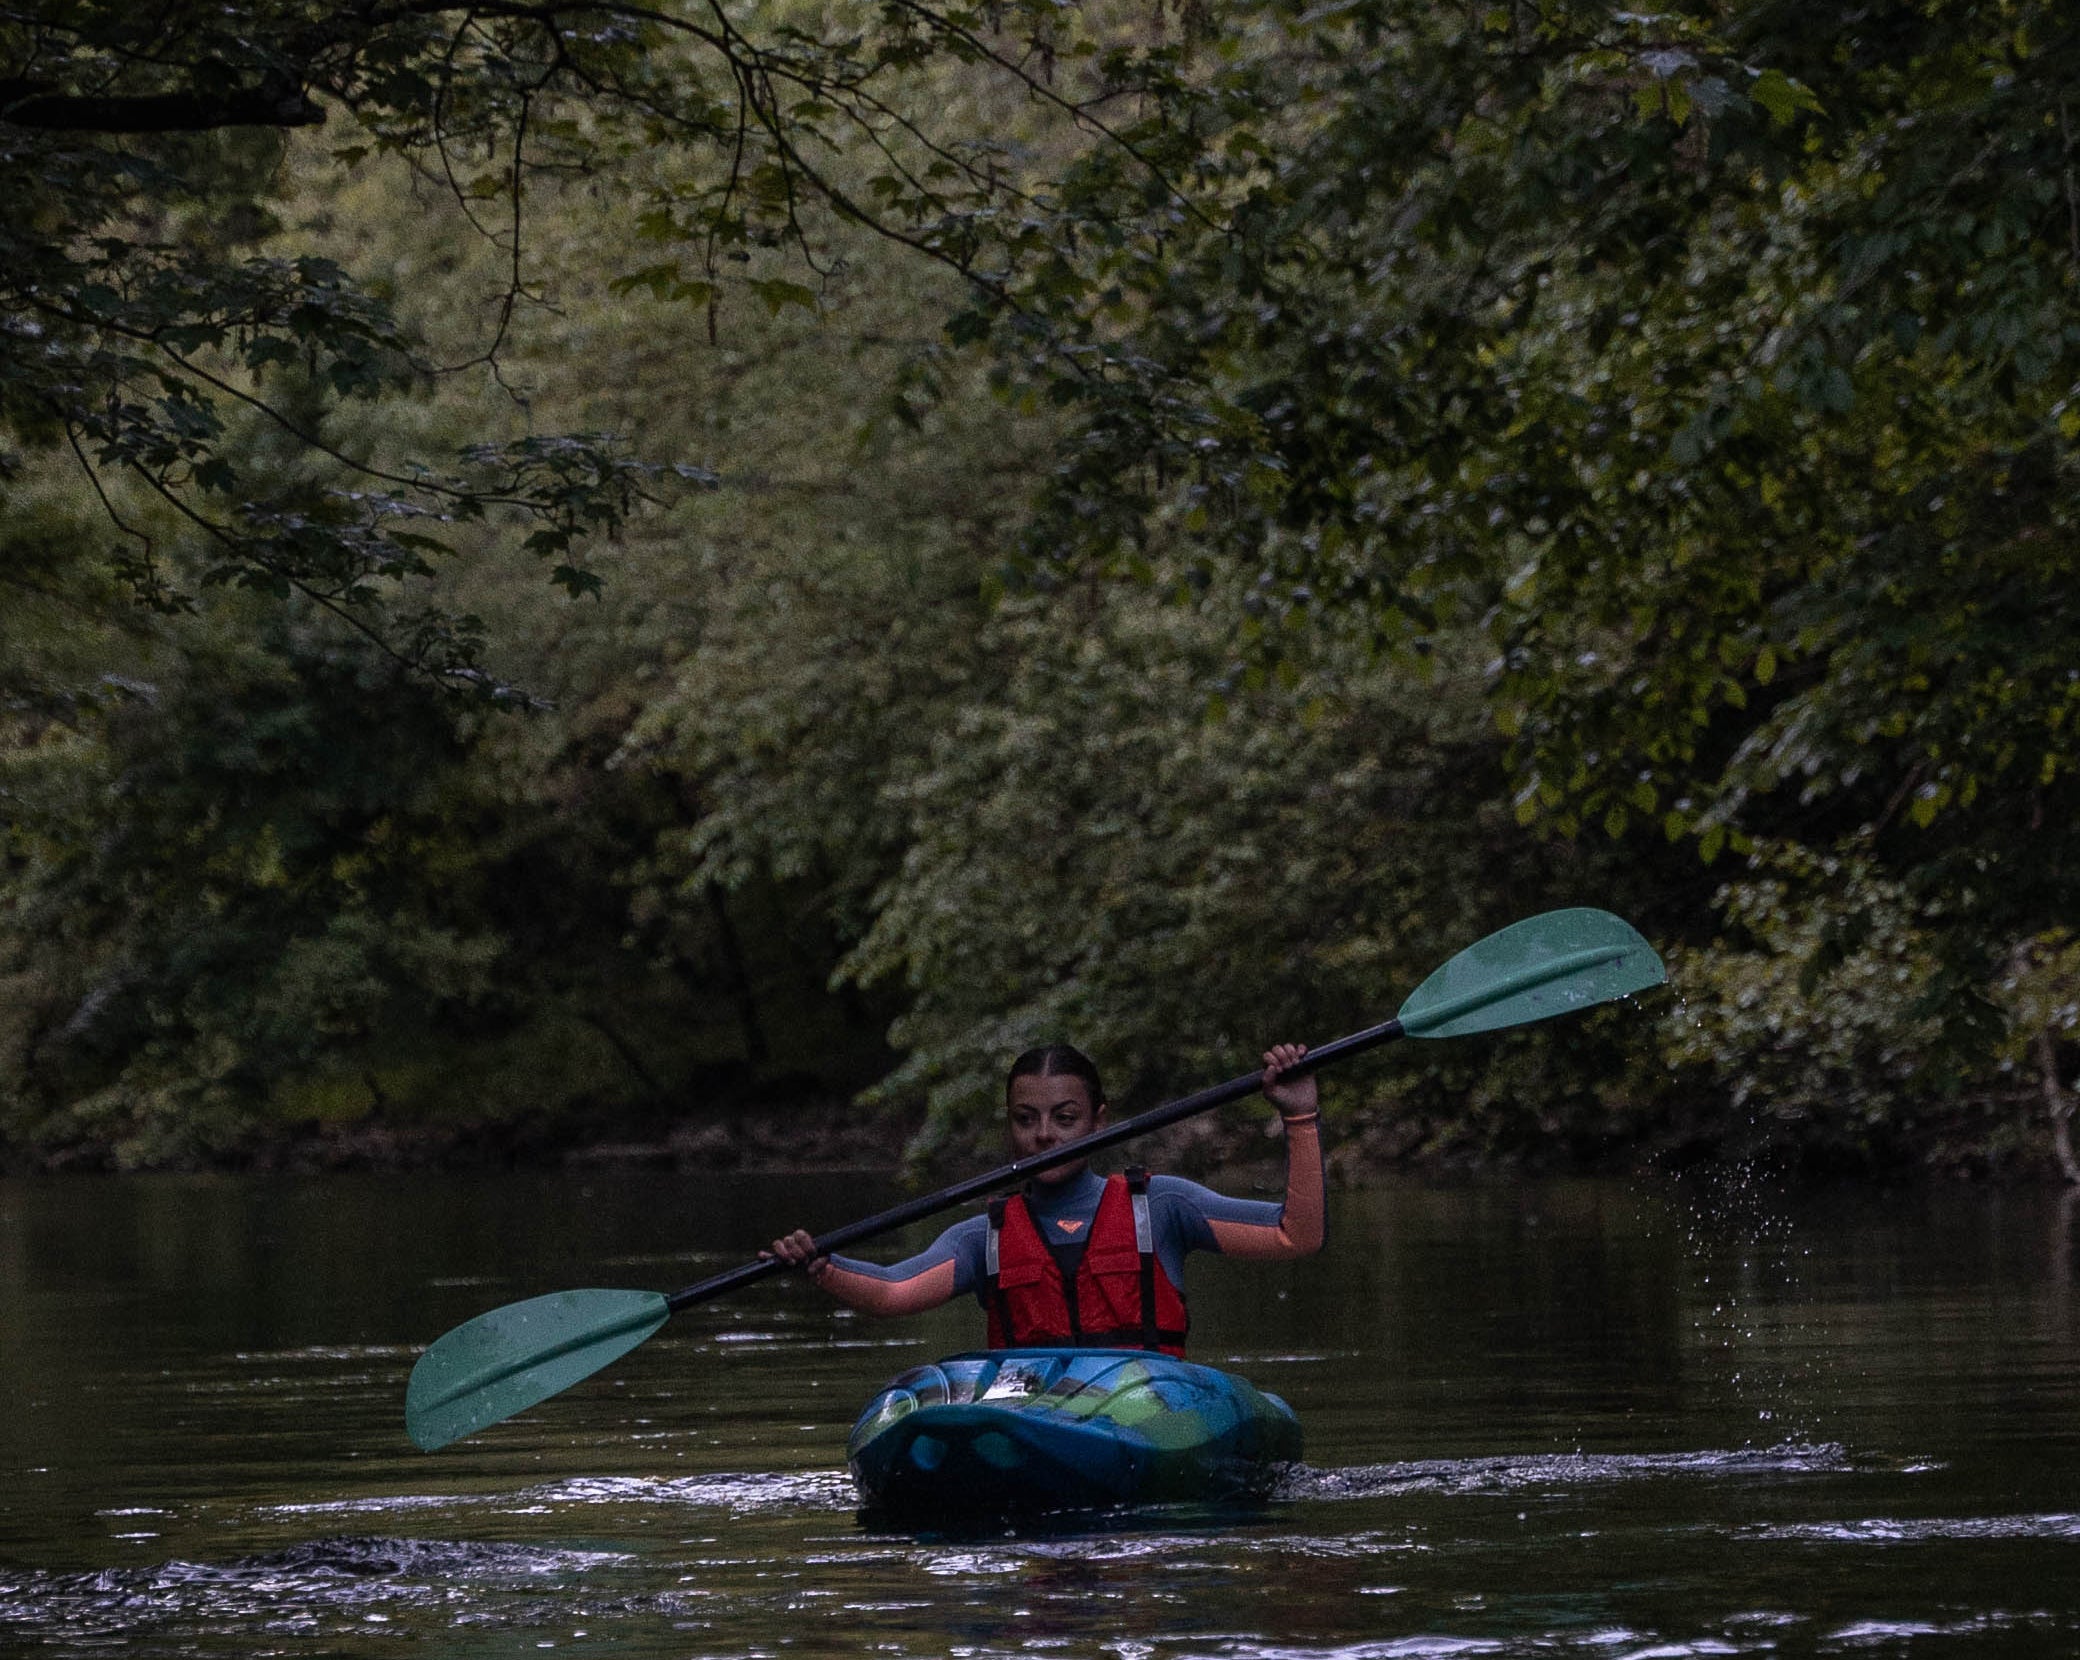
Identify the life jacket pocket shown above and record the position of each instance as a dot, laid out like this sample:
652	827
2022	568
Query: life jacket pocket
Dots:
1014	1276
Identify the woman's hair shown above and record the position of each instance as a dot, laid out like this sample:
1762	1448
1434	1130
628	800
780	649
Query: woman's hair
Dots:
1053	1060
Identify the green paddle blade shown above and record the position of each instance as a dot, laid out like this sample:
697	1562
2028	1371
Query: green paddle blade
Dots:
1533	970
505	1361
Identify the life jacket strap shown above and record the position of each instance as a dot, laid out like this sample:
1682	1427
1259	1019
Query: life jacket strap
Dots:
992	1258
1145	1243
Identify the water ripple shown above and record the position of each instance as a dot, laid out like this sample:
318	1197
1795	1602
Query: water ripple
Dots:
739	1494
1511	1473
1887	1530
319	1583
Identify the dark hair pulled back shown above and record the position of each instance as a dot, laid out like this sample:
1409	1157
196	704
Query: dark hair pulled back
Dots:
1058	1060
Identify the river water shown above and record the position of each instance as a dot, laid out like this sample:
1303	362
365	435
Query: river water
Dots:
1592	1419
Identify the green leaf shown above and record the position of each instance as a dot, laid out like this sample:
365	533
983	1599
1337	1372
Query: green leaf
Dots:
1782	97
660	279
778	294
578	582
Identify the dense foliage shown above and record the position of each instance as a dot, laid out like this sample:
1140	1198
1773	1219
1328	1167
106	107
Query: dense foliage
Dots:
1059	521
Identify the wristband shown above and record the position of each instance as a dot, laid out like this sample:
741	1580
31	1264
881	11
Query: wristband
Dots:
1300	1117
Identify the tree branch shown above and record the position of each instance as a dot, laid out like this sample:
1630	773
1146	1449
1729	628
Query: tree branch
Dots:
271	104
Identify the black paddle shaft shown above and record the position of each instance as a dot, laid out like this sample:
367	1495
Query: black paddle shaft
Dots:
1008	1175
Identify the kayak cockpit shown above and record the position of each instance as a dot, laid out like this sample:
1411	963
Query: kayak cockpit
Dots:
1015	1431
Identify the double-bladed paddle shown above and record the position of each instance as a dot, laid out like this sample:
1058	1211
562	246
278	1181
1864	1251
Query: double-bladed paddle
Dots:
505	1361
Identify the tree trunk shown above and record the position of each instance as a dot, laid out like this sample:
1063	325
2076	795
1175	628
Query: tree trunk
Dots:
755	1049
2059	1100
625	1050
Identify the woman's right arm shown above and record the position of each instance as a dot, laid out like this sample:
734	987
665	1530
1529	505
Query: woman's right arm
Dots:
930	1278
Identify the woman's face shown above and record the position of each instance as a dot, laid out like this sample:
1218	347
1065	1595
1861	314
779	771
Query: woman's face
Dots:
1044	1113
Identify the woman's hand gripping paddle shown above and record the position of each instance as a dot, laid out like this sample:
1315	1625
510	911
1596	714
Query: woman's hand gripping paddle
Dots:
505	1361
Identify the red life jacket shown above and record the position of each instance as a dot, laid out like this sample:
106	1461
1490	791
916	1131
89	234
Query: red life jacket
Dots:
1116	1297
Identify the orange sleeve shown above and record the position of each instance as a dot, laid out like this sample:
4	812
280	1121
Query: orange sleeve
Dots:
1301	1225
878	1296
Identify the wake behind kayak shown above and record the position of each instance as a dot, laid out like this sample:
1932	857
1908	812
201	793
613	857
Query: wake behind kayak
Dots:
1015	1432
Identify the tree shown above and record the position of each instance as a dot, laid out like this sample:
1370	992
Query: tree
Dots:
1719	361
140	144
1686	393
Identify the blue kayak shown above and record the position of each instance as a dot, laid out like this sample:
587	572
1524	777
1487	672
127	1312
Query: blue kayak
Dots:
1009	1432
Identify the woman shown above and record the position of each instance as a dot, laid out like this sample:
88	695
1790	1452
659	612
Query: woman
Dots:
1084	1260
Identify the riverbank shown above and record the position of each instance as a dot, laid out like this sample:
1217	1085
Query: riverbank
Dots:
815	1135
809	1130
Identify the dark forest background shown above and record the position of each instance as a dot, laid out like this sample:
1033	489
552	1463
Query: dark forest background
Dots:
577	572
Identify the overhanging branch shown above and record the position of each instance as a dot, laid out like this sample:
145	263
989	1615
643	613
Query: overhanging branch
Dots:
41	105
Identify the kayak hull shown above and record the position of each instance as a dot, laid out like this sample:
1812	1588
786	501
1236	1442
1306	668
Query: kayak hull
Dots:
1011	1432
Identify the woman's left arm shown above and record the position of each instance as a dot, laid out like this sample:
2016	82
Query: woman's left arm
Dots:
1301	1224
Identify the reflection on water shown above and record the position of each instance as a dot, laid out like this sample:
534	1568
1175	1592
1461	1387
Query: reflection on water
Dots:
1543	1419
